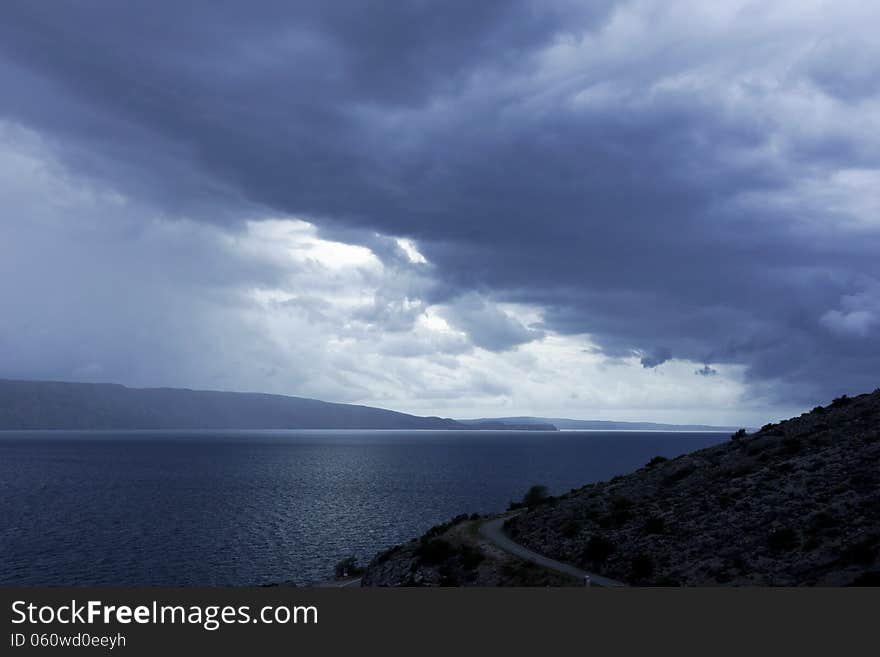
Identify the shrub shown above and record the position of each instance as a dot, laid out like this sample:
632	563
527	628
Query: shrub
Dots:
470	557
811	544
654	525
841	401
642	567
740	433
348	567
678	475
816	465
598	549
818	409
657	460
862	552
785	538
791	445
434	552
537	494
772	429
616	517
571	529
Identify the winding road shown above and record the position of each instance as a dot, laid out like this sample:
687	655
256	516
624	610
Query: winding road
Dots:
493	530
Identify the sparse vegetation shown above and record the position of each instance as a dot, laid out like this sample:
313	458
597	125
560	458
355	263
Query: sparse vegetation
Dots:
862	552
654	525
434	551
784	538
572	528
797	502
841	401
598	549
678	475
470	556
821	521
791	445
537	494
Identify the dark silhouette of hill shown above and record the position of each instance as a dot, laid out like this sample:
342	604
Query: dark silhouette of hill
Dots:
57	405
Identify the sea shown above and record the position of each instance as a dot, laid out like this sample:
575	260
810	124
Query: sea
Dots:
249	508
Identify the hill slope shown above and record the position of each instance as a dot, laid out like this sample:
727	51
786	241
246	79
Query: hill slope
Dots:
55	405
796	503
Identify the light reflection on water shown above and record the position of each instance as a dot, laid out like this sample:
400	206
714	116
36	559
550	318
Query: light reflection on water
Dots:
251	507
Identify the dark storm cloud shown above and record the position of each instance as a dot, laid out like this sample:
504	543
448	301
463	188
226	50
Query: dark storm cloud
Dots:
656	357
487	326
667	221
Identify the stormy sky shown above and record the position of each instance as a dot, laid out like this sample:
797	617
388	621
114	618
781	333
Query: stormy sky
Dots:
649	209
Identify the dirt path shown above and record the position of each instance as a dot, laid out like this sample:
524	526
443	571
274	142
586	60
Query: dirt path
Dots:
494	531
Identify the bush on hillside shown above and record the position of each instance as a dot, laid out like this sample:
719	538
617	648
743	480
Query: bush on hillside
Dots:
348	567
537	494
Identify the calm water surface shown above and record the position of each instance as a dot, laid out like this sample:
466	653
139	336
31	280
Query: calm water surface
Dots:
255	507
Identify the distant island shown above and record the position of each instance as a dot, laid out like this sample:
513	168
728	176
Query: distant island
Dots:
567	424
794	503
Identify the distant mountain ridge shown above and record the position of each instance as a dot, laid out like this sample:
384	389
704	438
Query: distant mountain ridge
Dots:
28	404
59	405
599	425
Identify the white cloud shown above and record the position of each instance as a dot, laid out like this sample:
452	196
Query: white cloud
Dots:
411	251
859	313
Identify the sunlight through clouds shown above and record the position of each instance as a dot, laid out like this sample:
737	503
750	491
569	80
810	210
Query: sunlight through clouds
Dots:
438	226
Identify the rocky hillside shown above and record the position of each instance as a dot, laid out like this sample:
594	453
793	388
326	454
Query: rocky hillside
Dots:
796	503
